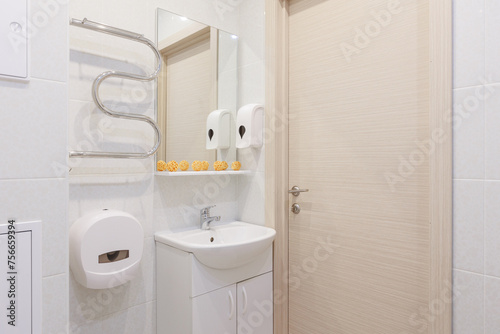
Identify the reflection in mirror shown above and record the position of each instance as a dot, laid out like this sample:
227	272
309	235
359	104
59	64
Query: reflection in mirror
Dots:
199	75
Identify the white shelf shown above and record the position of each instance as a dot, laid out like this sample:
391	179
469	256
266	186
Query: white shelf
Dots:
205	172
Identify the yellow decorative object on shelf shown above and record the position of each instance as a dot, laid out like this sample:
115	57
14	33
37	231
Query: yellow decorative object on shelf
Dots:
172	166
236	165
224	165
218	165
196	165
161	165
184	165
204	165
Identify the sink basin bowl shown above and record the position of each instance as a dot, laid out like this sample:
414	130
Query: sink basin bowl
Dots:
223	246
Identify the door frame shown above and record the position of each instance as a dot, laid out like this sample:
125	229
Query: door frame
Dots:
440	162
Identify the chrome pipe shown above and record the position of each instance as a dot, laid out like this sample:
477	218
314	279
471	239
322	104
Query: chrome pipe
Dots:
87	24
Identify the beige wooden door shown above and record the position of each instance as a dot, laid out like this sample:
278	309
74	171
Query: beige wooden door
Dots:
359	250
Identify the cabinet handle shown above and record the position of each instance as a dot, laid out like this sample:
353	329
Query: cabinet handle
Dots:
245	300
231	305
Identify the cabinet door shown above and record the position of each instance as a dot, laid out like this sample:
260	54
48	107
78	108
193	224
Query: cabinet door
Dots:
215	312
255	305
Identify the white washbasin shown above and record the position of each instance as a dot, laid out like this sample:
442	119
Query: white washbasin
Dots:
223	246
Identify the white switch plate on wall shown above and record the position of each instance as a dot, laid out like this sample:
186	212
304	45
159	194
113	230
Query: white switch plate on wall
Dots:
14	55
28	279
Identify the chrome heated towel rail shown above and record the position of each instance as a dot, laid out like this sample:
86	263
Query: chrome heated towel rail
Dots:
116	74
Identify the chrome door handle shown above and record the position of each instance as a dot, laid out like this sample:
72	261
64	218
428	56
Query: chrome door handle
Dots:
295	191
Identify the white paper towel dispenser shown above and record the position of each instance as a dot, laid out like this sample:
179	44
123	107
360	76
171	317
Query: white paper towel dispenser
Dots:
249	124
218	134
105	248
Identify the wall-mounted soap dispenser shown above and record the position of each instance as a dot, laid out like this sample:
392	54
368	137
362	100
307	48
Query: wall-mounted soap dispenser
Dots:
249	126
105	248
219	129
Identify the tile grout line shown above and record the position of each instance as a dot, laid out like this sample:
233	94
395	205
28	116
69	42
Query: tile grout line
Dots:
484	256
55	275
477	274
484	170
100	319
33	179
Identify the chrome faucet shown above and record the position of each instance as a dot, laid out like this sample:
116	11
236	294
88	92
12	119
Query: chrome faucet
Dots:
205	218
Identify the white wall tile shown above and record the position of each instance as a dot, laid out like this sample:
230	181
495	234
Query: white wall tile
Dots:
468	133
46	200
92	10
91	55
92	327
49	40
139	319
251	188
118	13
92	130
251	50
178	200
251	198
251	84
491	305
84	67
476	156
492	42
492	228
468	42
468	306
492	134
253	158
228	90
468	226
252	12
55	304
33	140
252	32
132	194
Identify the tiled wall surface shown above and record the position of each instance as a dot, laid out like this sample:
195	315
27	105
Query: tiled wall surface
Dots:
33	184
251	189
126	185
476	196
159	202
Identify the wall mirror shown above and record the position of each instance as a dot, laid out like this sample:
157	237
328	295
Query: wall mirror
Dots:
199	75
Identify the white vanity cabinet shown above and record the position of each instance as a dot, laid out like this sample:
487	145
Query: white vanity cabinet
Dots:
193	298
242	308
255	305
215	312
